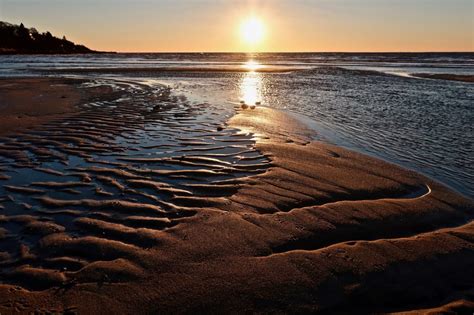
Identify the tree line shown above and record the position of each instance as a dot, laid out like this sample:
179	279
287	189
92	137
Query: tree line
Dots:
17	39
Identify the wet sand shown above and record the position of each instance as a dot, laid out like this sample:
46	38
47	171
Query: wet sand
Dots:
148	204
28	102
447	76
161	70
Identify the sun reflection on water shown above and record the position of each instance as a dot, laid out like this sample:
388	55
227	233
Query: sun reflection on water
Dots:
251	84
252	65
251	88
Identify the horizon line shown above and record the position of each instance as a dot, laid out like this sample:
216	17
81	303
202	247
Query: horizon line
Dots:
294	52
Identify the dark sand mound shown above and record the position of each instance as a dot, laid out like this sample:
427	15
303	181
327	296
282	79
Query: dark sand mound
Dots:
140	205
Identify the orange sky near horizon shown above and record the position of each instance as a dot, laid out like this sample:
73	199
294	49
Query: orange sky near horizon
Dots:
290	25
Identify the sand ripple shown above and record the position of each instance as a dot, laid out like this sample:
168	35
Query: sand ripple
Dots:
104	184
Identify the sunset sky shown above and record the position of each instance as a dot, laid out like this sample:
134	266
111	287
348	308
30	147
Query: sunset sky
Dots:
287	25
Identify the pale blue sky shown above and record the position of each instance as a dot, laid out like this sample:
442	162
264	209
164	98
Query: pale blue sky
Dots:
290	25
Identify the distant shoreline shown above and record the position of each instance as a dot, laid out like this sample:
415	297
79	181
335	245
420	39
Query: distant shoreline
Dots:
25	53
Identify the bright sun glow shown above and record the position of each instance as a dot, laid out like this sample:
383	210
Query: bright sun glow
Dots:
252	31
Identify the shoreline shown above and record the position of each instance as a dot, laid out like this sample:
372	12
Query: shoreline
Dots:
447	76
172	69
308	227
328	136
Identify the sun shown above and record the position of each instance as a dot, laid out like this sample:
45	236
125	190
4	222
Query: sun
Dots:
252	31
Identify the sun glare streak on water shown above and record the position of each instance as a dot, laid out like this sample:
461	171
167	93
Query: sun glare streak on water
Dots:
252	65
251	86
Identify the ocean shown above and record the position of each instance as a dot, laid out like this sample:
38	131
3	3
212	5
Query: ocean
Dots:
371	103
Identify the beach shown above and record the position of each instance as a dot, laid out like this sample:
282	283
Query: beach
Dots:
29	102
125	196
